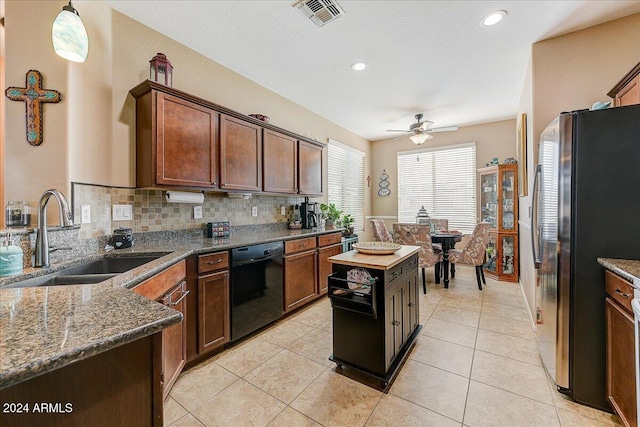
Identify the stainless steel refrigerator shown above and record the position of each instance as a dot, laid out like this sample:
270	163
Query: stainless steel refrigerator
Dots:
586	204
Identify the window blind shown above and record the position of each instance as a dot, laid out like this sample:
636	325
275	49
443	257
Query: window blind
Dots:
346	181
443	180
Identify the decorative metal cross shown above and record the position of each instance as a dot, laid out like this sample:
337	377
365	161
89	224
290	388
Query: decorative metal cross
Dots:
33	96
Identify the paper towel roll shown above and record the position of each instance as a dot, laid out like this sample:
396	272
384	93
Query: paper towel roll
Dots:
184	197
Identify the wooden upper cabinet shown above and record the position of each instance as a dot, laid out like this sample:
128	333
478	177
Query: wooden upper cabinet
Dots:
280	158
172	133
309	169
627	90
240	155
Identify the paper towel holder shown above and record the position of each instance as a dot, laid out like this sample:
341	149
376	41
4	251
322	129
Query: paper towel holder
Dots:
184	197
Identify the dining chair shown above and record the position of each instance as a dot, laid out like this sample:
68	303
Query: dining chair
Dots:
379	230
420	235
474	251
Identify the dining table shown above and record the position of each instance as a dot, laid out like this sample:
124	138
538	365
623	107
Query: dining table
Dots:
448	241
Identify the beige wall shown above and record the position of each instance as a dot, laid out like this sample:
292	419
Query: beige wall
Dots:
89	136
496	139
571	72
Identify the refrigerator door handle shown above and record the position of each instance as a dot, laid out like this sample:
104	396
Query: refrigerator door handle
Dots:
535	234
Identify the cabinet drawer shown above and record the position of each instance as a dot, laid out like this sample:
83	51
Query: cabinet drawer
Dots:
329	239
156	286
298	245
619	289
213	262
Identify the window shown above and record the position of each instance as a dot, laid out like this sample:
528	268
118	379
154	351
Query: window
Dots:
346	181
443	180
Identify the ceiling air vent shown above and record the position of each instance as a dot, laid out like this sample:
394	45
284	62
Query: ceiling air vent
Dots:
320	12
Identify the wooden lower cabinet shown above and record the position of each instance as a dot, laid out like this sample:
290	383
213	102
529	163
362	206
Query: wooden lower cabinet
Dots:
300	279
214	327
621	382
120	387
324	266
170	288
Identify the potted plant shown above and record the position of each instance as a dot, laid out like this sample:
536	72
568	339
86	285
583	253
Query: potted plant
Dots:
346	222
330	214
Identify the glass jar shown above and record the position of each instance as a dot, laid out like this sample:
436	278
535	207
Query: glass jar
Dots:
17	214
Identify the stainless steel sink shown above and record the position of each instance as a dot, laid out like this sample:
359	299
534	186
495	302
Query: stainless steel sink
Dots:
90	272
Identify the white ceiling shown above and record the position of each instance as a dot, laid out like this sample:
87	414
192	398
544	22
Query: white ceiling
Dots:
429	57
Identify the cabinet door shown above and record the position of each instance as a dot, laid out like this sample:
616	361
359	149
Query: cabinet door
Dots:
309	169
280	158
240	155
630	94
508	257
174	340
508	198
325	267
394	336
185	143
213	311
489	197
300	284
412	306
621	382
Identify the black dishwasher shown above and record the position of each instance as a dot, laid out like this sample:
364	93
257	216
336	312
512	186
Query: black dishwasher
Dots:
256	287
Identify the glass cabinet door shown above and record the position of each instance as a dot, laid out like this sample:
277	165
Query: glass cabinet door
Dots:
509	259
491	257
489	198
508	185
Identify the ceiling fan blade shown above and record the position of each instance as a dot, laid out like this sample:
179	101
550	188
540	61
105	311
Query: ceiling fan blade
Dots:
398	137
398	130
443	129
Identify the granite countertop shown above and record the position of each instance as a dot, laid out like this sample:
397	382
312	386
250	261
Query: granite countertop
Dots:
380	262
627	268
46	328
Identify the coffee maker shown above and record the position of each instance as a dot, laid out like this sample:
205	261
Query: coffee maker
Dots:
309	213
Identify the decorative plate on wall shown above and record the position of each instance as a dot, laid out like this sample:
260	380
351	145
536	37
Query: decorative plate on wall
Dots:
384	184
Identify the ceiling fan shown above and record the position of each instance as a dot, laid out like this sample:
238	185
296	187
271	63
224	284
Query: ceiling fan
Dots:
422	130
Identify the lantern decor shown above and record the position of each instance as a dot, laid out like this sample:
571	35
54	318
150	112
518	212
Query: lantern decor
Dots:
423	216
161	70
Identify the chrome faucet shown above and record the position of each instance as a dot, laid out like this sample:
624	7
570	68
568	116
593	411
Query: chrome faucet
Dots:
42	240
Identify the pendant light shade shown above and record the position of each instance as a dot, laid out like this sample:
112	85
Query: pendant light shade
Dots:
419	138
69	37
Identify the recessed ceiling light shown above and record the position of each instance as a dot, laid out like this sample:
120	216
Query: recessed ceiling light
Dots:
493	18
359	66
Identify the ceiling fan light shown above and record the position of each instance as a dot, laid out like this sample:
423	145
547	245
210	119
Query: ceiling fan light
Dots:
420	138
70	40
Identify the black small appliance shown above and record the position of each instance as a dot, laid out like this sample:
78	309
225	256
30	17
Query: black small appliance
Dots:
122	238
309	213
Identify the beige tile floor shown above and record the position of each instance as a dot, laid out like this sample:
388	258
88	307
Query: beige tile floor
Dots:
474	364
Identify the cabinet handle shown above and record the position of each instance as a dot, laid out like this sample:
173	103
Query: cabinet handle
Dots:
183	296
218	261
396	322
619	292
411	304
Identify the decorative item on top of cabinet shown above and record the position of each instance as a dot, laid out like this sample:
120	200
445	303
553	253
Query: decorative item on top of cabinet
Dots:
627	90
161	70
499	207
621	364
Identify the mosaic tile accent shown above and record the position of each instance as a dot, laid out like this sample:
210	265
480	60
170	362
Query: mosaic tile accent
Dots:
151	212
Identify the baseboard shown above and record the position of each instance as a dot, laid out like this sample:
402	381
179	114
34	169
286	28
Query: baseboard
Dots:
532	320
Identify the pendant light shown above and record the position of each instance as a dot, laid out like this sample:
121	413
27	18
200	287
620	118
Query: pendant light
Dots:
419	138
69	37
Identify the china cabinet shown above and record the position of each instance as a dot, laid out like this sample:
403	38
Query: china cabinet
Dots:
499	207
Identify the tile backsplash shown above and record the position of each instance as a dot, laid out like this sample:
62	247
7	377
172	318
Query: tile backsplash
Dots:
151	212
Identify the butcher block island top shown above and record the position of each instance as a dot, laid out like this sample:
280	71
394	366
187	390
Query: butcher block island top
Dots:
379	262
